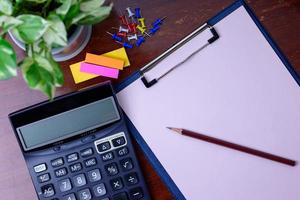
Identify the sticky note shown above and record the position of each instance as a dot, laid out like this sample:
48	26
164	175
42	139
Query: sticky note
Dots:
82	76
119	54
104	61
78	75
99	70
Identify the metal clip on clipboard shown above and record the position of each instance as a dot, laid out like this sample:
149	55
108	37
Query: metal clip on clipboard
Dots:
153	63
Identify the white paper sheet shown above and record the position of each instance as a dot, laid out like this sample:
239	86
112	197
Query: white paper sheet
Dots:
237	89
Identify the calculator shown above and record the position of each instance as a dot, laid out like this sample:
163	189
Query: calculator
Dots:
77	147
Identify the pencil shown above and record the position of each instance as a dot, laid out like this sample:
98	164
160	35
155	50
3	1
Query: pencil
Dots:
234	146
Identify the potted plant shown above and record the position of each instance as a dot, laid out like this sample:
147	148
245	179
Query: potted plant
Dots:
43	28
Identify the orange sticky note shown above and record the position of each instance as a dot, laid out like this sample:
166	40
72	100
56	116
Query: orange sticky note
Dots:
104	61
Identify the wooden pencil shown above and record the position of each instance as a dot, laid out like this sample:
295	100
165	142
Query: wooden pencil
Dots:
234	146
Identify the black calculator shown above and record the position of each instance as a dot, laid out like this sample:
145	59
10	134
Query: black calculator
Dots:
77	147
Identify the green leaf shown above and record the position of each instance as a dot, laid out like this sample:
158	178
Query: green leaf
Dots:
96	16
38	74
64	8
56	33
90	5
73	12
8	60
6	7
58	74
32	28
8	22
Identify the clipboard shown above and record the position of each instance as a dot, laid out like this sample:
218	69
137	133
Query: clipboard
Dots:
137	76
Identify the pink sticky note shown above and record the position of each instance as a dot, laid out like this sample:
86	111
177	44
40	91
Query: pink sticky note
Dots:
99	70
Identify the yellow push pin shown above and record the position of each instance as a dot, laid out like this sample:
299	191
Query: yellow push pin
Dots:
142	22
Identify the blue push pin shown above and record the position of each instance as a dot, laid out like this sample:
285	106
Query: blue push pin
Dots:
138	13
126	45
158	21
115	37
140	41
154	30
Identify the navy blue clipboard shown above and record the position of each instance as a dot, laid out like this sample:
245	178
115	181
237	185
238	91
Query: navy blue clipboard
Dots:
137	136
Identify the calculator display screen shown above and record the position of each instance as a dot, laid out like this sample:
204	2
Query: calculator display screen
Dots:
69	123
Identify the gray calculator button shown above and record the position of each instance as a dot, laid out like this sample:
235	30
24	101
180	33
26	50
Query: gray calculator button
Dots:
72	157
76	167
70	197
122	152
118	141
86	152
48	190
61	172
99	190
85	194
94	175
107	156
57	162
65	185
103	146
44	178
90	162
40	168
79	180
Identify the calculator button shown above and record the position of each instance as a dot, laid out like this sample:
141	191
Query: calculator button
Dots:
111	169
65	185
48	190
44	178
61	172
40	168
136	193
107	156
99	190
75	167
131	179
70	197
94	175
126	164
85	194
86	152
72	157
118	141
103	146
120	196
57	162
79	180
116	183
90	162
122	152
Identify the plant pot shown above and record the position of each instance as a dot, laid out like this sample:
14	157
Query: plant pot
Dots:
77	41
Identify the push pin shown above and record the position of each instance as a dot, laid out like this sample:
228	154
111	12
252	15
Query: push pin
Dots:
115	37
142	30
158	21
122	34
154	30
122	18
130	13
142	22
121	29
126	45
138	13
132	27
132	37
140	41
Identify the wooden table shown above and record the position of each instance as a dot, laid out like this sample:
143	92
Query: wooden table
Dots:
281	18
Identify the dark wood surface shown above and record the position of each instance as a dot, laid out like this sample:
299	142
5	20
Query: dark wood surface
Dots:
281	18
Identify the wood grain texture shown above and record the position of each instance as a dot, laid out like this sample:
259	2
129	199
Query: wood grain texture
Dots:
281	18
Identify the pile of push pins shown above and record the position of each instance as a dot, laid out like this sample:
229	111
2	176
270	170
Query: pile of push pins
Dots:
134	31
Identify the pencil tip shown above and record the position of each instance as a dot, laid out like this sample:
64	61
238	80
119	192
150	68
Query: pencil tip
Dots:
177	130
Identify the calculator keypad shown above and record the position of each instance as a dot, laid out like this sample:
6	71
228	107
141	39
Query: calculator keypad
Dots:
80	177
